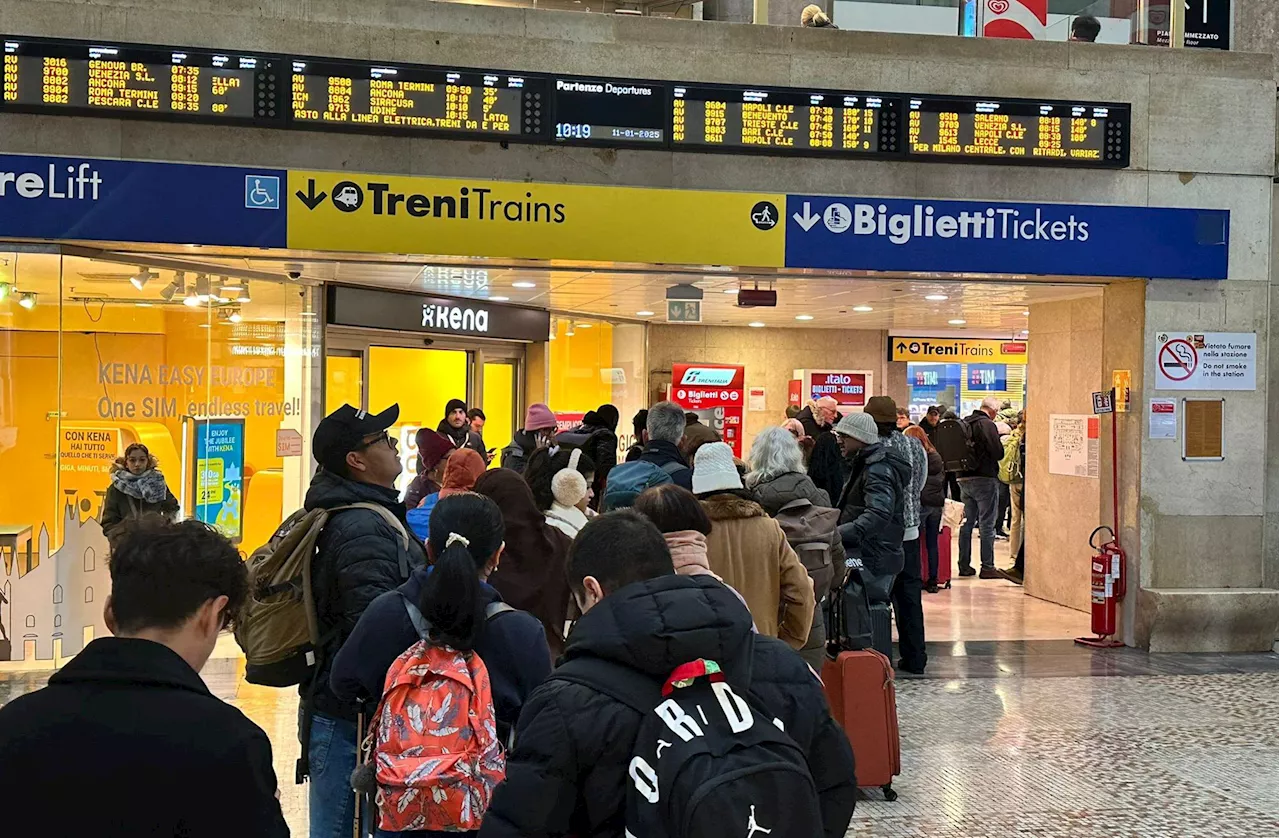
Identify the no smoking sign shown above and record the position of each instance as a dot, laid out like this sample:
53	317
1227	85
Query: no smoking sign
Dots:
1178	360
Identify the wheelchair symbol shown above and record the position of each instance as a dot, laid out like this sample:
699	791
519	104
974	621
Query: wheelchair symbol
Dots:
261	192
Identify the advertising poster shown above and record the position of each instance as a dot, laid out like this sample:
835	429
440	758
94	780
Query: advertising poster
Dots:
85	455
716	394
218	478
990	378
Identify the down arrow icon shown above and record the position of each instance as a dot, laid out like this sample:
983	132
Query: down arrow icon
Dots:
311	199
807	220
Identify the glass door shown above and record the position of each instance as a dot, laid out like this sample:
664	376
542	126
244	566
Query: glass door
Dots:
498	401
343	379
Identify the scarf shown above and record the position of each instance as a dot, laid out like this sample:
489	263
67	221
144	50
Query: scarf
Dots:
689	553
148	486
457	436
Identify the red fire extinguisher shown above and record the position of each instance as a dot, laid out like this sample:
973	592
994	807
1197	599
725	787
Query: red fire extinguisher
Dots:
1106	588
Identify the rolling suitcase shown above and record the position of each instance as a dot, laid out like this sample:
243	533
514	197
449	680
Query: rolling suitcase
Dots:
944	559
859	688
882	629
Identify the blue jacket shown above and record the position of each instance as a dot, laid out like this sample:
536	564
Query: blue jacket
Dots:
513	646
420	516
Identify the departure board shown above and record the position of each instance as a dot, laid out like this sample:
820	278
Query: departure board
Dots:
781	121
418	99
1056	133
609	112
146	81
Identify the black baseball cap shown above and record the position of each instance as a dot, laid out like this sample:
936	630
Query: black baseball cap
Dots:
344	430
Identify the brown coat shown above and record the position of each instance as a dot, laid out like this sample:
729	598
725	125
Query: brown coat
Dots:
749	551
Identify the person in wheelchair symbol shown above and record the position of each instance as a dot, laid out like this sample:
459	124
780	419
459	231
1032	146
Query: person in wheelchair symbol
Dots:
260	197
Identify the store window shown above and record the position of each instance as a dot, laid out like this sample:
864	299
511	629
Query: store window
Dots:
962	387
212	372
593	363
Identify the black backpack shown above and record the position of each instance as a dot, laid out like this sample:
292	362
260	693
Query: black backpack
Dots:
707	760
954	440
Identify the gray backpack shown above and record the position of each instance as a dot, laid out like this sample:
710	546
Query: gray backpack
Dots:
811	532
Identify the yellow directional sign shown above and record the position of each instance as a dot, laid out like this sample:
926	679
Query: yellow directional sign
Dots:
340	211
957	350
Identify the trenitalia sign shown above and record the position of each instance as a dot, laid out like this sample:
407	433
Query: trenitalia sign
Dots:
83	200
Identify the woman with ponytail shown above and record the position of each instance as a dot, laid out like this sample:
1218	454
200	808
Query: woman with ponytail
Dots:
465	543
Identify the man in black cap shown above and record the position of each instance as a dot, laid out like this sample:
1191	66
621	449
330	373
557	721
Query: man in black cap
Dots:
361	553
457	427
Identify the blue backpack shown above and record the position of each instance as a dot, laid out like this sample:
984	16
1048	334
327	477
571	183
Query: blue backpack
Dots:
627	480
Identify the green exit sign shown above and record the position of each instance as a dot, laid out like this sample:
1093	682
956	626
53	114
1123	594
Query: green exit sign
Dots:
684	311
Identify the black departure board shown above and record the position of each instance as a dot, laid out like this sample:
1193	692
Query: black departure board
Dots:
780	120
1017	130
383	97
78	77
609	112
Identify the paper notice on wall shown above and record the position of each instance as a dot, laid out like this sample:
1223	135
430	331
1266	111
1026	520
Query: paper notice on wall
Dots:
1162	419
1073	445
755	399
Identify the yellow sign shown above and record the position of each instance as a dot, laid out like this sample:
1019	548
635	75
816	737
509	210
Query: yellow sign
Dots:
957	350
85	455
1121	380
390	214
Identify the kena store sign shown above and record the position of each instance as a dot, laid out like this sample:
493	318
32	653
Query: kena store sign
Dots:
395	310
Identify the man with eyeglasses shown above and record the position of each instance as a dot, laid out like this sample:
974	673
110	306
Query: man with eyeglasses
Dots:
361	553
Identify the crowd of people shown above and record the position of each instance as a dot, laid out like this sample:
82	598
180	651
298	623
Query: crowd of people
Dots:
484	648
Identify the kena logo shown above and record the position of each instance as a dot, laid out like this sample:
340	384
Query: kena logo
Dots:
454	318
707	376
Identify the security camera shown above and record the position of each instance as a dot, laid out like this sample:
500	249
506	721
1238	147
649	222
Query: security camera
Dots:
294	274
427	341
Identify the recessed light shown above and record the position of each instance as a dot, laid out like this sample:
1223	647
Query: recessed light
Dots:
143	305
524	285
498	299
644	314
585	325
957	322
204	325
937	298
1026	314
731	291
756	324
863	308
804	316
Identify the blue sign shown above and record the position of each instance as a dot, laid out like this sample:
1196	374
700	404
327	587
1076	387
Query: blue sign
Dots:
896	234
261	192
988	377
928	382
218	478
120	200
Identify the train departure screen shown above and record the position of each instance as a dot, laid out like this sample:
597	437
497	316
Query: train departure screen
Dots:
410	98
610	111
1057	133
780	121
153	81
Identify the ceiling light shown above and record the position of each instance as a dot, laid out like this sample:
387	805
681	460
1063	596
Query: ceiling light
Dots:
189	296
756	324
804	316
1026	314
142	305
235	317
863	309
1024	333
27	300
644	314
731	290
957	322
223	287
498	299
175	285
141	278
204	288
5	288
523	284
243	296
585	325
937	298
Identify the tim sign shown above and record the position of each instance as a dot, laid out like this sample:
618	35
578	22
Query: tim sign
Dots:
1024	19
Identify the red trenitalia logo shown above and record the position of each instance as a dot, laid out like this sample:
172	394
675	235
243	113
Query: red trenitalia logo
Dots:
1013	348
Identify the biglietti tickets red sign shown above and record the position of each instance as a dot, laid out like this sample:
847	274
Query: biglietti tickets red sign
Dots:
847	388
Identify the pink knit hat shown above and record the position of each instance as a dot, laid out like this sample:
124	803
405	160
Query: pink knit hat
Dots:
538	417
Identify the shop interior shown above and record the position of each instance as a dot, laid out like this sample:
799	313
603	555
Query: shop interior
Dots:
101	348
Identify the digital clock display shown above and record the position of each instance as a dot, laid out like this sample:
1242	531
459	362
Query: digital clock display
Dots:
1058	133
609	112
781	121
383	97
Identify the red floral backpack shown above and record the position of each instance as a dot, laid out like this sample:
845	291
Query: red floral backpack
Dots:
433	739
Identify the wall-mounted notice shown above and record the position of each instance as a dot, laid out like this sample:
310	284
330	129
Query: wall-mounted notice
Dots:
1206	360
1202	429
755	399
1073	445
1162	421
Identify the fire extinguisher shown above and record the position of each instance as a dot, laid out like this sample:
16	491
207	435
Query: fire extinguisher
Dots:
1106	585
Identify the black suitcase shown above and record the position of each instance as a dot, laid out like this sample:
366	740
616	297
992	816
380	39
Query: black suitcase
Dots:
882	629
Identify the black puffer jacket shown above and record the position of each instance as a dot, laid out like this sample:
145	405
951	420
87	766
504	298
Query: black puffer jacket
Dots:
871	508
567	774
934	493
516	455
358	557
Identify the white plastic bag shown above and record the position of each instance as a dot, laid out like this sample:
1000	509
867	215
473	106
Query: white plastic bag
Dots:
952	514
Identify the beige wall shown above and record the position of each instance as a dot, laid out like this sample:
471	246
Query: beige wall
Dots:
1064	369
770	356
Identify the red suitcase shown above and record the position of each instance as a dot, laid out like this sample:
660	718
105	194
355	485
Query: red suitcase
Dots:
859	688
944	559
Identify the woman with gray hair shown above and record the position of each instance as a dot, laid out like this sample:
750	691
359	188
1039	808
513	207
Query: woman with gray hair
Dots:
776	480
